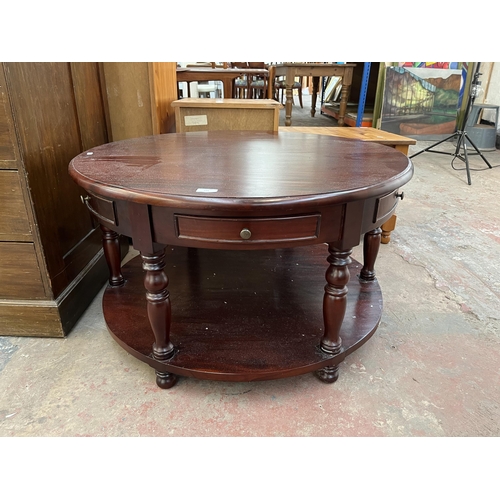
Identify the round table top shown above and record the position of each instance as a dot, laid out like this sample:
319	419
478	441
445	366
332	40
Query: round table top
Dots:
240	167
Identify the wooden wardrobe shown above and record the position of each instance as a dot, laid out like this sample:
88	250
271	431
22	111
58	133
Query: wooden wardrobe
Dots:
51	259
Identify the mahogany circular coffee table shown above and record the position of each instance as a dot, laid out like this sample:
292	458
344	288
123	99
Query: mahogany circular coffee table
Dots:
245	238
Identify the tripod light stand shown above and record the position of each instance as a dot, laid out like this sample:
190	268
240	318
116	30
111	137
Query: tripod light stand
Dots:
461	135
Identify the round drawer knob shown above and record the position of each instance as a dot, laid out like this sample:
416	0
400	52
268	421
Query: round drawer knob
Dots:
400	195
245	234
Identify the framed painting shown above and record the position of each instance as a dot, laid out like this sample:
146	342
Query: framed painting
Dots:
421	102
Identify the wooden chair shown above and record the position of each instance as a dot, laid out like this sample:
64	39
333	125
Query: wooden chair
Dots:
258	84
241	84
250	87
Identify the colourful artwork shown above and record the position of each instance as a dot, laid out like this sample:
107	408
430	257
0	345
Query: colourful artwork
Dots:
421	101
437	65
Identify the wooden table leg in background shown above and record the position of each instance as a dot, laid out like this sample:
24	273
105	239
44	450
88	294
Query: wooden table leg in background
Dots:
314	96
344	94
289	101
228	87
387	228
270	83
343	99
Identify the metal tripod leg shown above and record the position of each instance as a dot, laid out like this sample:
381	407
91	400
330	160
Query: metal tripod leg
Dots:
463	138
466	160
477	150
436	144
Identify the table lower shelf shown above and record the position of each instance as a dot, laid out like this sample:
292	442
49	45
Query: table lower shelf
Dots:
242	315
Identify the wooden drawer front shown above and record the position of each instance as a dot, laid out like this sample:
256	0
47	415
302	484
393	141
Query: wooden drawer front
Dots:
14	223
248	230
20	276
101	208
385	205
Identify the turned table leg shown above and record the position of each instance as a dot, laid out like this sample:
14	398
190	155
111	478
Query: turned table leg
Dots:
371	245
334	307
315	89
159	312
111	247
344	94
288	103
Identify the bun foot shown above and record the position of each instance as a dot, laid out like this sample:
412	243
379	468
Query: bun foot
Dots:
117	281
165	380
328	374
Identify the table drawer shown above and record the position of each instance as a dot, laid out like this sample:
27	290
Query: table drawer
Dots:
385	205
20	276
14	224
101	208
251	230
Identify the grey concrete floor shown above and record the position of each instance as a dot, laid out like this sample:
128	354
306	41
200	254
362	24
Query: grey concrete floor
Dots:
431	369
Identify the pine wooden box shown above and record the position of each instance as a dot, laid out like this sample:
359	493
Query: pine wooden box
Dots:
198	114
